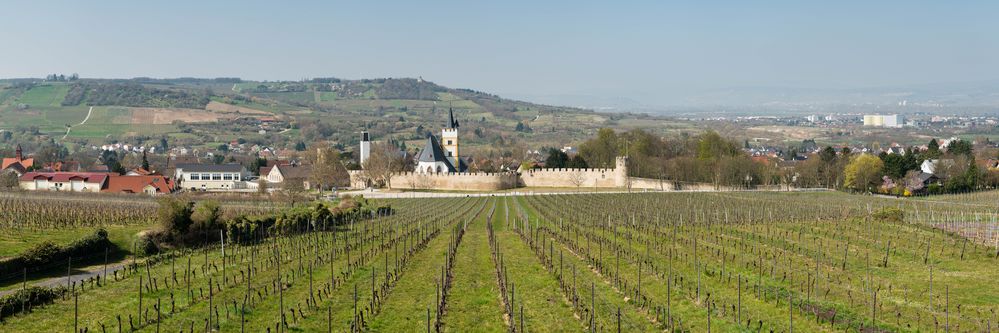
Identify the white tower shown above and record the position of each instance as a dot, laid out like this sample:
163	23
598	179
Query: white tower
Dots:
449	139
365	147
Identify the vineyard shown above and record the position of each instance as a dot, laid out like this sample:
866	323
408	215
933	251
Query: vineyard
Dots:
683	262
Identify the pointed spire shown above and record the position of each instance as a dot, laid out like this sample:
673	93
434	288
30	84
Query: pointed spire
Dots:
18	153
452	123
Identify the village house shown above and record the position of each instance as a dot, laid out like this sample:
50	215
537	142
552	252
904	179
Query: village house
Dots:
281	173
211	177
146	184
18	164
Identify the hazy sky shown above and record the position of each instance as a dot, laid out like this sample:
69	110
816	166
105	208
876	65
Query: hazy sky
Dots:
608	48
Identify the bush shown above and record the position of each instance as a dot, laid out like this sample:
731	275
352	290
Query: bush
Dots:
47	253
890	214
174	216
32	296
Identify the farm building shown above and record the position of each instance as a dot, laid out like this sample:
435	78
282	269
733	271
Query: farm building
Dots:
64	181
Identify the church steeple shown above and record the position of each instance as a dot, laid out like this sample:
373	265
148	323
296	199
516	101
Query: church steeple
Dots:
18	153
452	123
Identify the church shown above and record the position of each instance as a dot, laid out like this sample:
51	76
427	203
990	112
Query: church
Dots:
442	156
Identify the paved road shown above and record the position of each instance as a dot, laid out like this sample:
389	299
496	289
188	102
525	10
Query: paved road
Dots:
90	272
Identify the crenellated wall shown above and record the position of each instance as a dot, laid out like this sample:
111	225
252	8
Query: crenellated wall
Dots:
568	178
462	181
562	177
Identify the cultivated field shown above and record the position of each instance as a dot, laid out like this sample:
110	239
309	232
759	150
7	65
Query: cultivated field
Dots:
690	262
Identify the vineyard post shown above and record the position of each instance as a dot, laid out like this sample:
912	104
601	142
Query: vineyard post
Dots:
76	312
140	300
947	309
105	264
69	270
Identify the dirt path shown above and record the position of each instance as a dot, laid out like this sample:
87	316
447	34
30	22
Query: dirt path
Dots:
70	128
90	272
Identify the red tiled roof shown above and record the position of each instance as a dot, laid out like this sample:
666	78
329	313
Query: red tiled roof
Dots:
89	177
26	163
136	184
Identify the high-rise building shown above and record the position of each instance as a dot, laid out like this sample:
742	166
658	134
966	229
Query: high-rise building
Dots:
877	120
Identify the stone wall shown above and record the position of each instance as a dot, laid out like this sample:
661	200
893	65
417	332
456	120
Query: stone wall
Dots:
562	178
569	178
461	181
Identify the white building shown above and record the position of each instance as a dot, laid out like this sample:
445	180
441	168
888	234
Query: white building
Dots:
365	148
211	177
877	120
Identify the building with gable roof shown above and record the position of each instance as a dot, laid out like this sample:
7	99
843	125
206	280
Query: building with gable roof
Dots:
442	156
18	164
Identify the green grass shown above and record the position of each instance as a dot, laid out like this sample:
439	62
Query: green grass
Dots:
475	295
15	241
45	95
693	252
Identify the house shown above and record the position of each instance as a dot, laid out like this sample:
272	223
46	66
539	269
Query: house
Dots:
288	172
141	172
64	181
211	177
933	166
18	164
147	184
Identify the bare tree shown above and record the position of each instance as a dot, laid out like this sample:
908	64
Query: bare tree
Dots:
327	169
577	178
384	161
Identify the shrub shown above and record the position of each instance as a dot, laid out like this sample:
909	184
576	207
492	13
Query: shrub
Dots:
47	253
32	296
890	214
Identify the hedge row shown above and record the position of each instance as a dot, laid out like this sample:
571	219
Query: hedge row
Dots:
47	254
25	299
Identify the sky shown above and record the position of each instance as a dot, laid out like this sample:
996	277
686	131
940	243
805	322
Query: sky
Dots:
644	50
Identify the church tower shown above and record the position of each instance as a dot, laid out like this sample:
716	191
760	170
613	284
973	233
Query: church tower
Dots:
449	138
19	154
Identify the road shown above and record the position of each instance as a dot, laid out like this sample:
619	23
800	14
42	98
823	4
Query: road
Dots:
90	272
70	128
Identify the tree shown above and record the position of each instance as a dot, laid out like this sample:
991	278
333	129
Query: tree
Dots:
712	145
206	214
556	159
174	216
863	172
577	162
110	159
263	187
600	151
960	147
828	154
897	165
327	169
384	160
8	180
145	162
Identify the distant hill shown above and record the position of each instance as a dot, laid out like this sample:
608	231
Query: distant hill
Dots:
196	111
